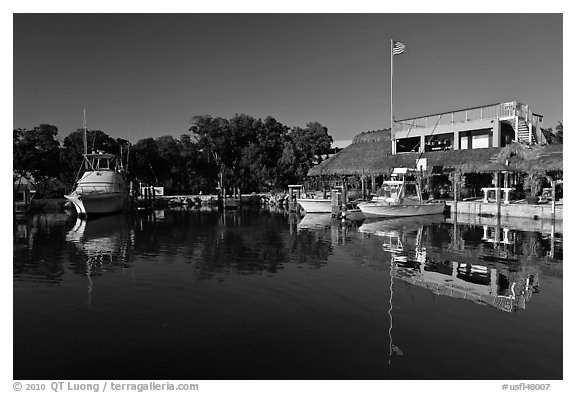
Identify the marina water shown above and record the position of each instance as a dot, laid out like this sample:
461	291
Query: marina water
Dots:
260	294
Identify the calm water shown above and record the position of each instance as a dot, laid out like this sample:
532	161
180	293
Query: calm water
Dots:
264	295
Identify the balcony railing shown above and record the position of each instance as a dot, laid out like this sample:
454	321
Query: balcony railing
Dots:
486	112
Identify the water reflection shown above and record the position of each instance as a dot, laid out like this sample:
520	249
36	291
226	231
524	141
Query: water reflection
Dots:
105	244
514	236
107	239
316	221
486	264
256	294
37	248
487	261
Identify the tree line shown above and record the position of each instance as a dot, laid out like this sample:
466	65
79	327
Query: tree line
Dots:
554	135
243	152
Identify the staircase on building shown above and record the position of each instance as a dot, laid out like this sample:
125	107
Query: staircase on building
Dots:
523	132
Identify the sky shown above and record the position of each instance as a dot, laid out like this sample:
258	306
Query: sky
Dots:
147	75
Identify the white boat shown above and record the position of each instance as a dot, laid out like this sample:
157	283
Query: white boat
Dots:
315	205
102	188
400	198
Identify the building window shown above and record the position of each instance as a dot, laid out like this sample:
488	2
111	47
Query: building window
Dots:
439	142
408	145
480	141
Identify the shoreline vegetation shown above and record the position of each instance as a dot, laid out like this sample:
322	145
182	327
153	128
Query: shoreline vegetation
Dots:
241	153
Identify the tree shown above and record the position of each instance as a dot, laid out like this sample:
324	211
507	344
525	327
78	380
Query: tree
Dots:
255	154
559	132
260	158
199	173
291	170
211	138
170	165
556	135
308	146
144	160
533	181
314	139
36	152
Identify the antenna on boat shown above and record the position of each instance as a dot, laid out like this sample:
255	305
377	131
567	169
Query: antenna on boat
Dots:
86	164
85	136
128	153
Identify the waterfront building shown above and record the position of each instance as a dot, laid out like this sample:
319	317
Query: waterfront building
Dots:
469	156
494	125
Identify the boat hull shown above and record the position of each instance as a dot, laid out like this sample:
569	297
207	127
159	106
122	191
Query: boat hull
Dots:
100	203
315	205
371	209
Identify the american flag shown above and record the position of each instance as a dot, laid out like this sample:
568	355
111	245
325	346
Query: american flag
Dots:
398	48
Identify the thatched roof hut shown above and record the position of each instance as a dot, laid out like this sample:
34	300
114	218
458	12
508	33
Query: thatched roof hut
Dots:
371	154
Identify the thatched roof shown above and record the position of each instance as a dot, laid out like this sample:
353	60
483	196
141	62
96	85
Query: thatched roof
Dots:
371	154
550	158
368	153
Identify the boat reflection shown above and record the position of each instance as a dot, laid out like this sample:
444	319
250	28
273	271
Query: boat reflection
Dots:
106	243
106	238
395	226
316	221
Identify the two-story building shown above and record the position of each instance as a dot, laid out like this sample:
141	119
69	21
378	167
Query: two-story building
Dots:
494	125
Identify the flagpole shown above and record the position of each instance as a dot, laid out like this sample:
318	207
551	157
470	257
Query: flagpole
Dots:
392	134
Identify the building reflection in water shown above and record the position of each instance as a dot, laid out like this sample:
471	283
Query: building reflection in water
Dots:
451	270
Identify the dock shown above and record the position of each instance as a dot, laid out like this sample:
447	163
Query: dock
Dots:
547	211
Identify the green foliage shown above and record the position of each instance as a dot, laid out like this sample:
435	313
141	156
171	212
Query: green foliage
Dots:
36	152
308	146
255	154
534	180
248	153
556	135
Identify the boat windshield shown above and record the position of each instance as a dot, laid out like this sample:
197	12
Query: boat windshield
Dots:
411	191
389	190
99	162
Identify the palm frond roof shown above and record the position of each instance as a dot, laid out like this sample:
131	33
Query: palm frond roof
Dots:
371	154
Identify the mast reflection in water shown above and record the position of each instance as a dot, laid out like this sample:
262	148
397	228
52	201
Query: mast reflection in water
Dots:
265	295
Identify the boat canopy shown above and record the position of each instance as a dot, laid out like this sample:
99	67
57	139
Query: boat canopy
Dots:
397	190
100	161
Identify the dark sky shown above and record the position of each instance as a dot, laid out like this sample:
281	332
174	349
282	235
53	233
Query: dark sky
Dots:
147	75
